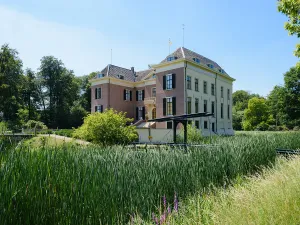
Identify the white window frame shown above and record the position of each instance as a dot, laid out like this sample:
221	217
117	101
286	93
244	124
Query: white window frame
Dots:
154	88
189	82
169	106
205	121
222	92
99	108
127	95
188	105
228	94
205	87
213	88
140	95
97	93
140	113
169	82
196	84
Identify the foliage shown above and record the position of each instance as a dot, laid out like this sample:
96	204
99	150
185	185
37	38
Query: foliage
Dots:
194	135
77	114
291	9
107	128
237	118
97	185
257	115
10	82
64	132
3	127
32	124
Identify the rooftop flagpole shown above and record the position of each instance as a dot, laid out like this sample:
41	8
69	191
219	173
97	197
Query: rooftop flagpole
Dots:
170	43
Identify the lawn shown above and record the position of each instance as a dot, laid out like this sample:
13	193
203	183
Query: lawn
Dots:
70	184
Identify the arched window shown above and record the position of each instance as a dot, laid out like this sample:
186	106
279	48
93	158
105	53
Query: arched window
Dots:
154	113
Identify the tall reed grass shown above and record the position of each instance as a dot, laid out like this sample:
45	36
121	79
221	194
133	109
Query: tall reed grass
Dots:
93	185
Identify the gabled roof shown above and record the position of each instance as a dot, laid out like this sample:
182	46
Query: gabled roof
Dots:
114	71
188	54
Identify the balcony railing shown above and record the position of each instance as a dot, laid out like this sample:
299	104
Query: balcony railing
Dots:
150	101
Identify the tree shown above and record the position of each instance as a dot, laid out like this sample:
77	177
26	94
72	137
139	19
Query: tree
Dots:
108	128
291	9
292	98
10	82
240	99
257	114
237	119
277	106
58	90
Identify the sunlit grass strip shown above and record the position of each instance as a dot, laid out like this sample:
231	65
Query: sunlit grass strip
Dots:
73	185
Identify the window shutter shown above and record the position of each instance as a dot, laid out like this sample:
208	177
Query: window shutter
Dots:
137	113
164	106
124	95
130	95
137	95
174	105
143	94
164	82
101	108
143	113
96	93
99	94
173	80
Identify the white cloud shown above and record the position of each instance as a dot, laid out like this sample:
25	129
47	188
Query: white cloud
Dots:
81	49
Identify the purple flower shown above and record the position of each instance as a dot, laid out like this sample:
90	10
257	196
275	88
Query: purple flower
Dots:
165	202
169	210
175	203
162	218
154	218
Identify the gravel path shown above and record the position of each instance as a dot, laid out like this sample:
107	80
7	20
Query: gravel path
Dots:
66	139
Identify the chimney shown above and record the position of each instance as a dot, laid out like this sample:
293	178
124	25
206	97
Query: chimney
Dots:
132	69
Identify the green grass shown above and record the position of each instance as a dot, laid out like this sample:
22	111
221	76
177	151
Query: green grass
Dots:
93	185
40	141
270	198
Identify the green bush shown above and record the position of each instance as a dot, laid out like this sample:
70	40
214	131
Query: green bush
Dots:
194	135
64	132
33	124
3	127
296	128
108	128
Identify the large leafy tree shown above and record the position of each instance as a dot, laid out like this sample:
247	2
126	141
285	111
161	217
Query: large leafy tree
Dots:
10	82
291	8
277	105
256	114
59	89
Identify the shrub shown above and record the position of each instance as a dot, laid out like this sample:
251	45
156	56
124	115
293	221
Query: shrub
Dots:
296	128
194	135
33	124
108	128
3	127
64	132
262	126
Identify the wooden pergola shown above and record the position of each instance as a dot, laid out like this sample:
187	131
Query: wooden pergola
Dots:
181	119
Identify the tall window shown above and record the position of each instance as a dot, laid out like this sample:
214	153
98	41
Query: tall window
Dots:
197	124
222	110
169	125
127	95
205	125
189	105
205	87
140	113
212	89
196	84
169	106
97	93
228	112
222	90
213	108
205	105
140	95
228	94
154	92
196	105
189	82
169	81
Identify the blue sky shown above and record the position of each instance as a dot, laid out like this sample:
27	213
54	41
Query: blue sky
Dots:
246	38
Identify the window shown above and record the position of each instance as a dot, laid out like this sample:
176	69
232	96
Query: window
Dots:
154	92
189	105
169	125
99	108
196	105
205	125
169	82
222	94
154	76
189	82
197	124
196	60
222	110
210	66
100	75
212	89
221	71
98	93
169	106
205	105
213	108
228	94
228	112
171	58
196	84
140	95
127	95
213	127
140	113
121	77
205	87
